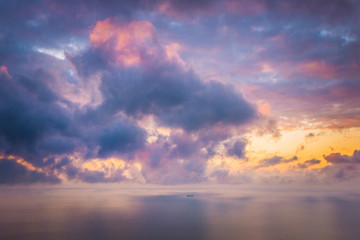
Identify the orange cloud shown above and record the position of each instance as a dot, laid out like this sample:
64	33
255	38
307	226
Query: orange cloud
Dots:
264	109
22	162
28	165
109	166
4	71
128	42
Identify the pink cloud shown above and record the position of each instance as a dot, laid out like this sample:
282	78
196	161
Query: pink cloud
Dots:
317	69
172	53
4	71
126	41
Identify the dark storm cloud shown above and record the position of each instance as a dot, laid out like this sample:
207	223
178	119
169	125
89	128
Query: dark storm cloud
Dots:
13	173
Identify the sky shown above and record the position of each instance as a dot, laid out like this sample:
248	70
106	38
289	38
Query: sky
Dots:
180	92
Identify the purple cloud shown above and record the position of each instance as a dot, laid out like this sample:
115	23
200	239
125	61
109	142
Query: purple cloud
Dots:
79	78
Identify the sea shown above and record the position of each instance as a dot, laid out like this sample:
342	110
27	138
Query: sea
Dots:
222	212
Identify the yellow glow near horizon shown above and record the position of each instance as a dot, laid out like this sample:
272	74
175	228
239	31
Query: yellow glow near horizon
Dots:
304	144
296	143
22	162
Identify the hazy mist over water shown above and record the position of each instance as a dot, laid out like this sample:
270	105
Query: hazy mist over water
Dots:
168	213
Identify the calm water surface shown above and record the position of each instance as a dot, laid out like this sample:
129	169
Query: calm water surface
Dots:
151	213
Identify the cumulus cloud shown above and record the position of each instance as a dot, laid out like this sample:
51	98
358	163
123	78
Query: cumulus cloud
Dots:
343	167
337	158
136	79
176	96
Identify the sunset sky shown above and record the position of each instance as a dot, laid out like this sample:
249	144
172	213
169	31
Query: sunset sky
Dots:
180	92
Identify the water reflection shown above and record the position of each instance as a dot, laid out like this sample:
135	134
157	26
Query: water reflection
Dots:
109	213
